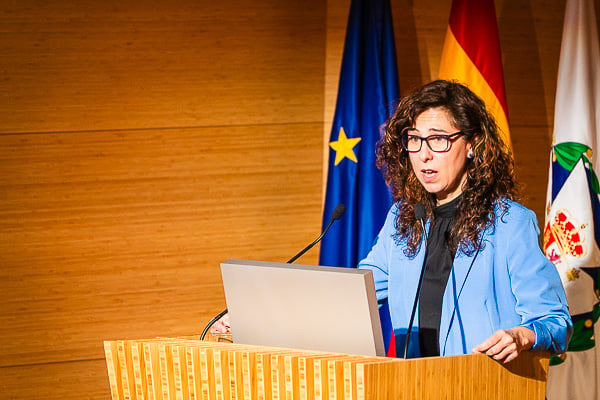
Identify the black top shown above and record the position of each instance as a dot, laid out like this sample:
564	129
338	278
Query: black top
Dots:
438	263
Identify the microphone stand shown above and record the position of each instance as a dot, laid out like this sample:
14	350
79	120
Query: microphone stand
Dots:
420	214
317	240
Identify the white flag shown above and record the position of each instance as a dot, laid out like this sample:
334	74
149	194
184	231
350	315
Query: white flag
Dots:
572	228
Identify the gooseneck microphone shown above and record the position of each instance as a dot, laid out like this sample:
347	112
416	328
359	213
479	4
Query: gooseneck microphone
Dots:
336	214
420	214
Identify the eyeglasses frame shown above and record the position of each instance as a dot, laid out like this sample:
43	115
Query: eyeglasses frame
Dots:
449	140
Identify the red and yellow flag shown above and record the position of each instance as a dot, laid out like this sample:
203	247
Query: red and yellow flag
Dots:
472	56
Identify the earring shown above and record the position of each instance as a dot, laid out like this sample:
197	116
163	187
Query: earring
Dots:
470	155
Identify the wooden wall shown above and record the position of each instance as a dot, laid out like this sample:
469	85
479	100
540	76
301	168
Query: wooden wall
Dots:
144	142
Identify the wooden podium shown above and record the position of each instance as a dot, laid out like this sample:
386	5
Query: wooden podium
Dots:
166	368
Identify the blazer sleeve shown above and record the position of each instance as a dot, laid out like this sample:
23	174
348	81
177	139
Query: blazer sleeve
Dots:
536	285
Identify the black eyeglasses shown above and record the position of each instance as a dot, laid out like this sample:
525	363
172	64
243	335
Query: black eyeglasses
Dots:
437	143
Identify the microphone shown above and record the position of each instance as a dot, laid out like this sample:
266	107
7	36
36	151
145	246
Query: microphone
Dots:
420	214
336	214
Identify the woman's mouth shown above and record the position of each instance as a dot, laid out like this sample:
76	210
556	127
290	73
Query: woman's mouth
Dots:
428	174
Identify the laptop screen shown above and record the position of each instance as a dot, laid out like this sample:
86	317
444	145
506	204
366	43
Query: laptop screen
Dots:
297	306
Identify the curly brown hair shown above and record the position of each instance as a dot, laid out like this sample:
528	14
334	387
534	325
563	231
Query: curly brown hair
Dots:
490	173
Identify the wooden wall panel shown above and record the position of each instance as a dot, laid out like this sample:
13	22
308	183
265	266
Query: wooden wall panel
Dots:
97	65
121	233
57	381
532	148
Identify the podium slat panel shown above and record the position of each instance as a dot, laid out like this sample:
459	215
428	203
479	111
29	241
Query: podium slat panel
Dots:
113	368
234	371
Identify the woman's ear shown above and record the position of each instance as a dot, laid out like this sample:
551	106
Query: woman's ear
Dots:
471	145
470	150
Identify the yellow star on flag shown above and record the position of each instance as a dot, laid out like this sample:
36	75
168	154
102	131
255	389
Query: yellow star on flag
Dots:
344	147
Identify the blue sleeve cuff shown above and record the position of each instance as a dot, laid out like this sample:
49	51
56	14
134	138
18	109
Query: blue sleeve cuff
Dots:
542	338
545	341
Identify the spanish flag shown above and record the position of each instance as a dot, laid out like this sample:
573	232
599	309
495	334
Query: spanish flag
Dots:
472	56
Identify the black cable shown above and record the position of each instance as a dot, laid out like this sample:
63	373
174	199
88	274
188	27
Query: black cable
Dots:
211	323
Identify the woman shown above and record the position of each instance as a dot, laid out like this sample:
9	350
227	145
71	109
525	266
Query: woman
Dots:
487	287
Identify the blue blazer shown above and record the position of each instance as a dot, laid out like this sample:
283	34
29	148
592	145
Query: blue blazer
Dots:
507	283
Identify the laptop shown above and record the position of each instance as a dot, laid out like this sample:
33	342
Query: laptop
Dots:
329	309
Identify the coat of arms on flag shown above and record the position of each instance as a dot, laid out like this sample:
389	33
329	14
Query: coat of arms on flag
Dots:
565	235
570	241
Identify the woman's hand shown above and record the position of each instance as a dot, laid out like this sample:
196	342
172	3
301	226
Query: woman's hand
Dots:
221	326
505	345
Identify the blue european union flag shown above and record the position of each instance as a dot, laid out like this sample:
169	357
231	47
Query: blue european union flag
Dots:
368	92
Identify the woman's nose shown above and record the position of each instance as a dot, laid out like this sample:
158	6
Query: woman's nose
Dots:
425	153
